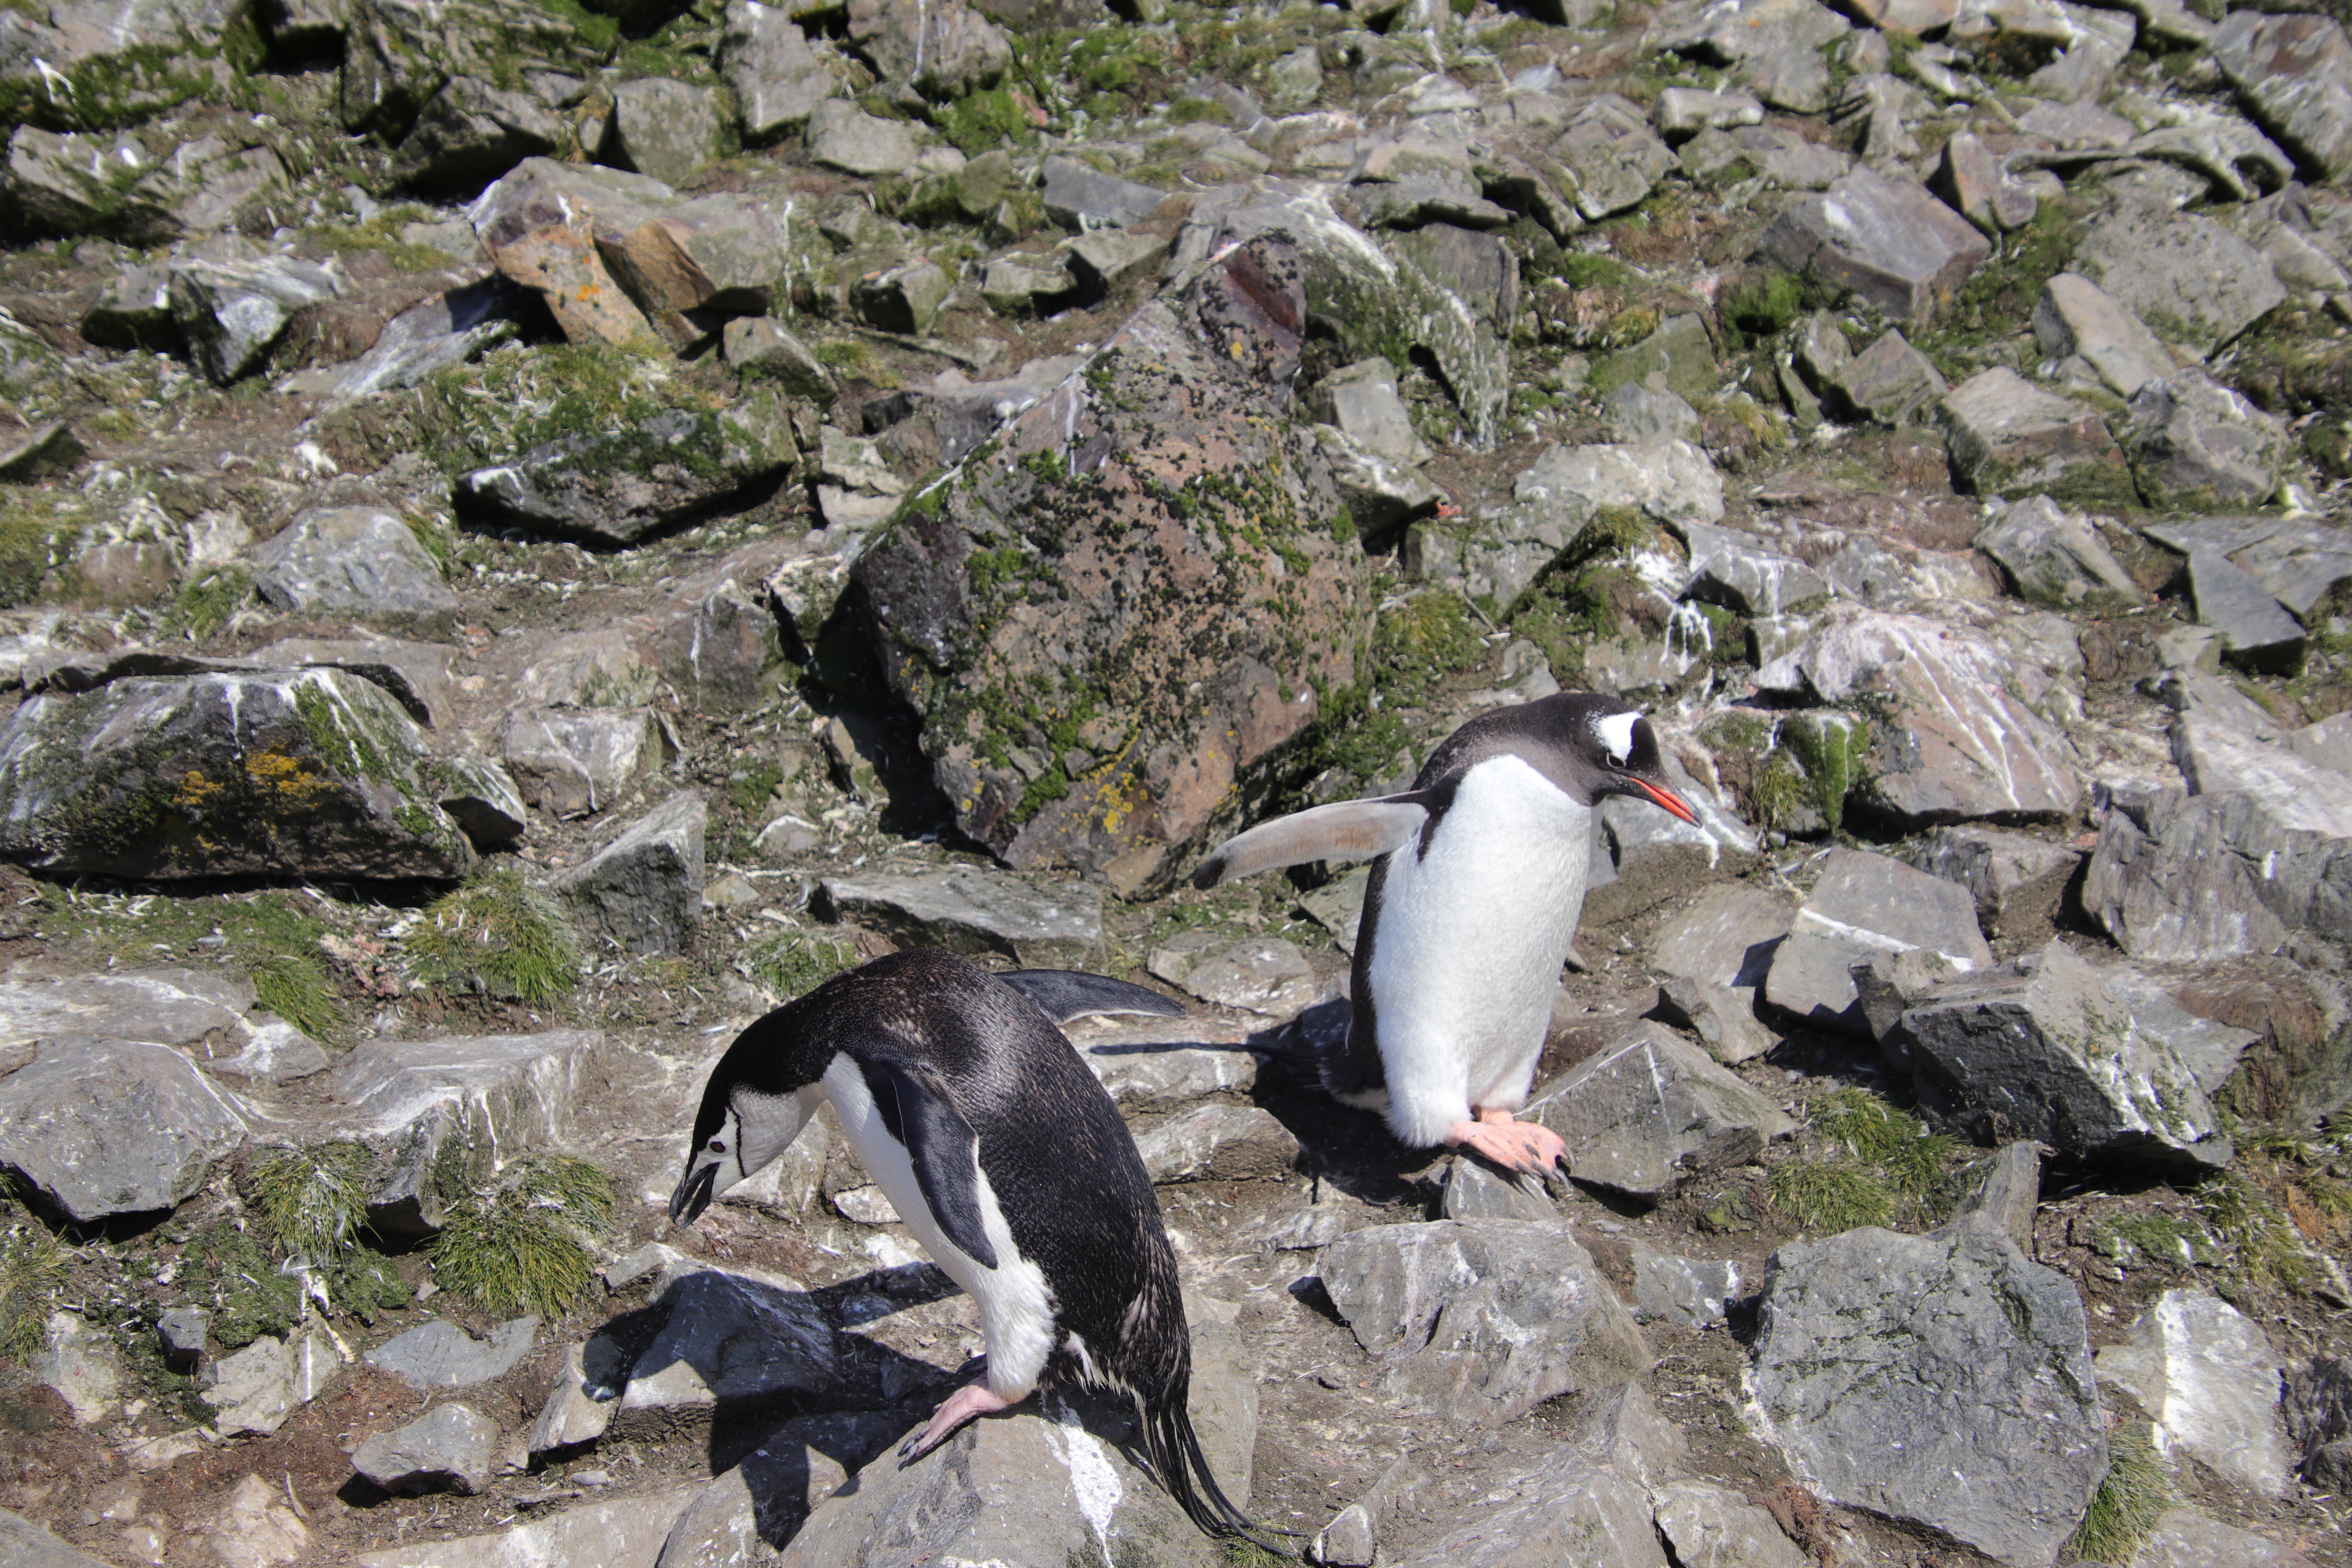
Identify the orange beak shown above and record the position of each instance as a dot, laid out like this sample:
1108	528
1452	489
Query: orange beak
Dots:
1669	800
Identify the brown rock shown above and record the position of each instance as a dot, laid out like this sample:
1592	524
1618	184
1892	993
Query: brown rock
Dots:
1154	540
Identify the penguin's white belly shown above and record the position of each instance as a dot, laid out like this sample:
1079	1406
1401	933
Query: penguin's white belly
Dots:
1469	945
1016	1309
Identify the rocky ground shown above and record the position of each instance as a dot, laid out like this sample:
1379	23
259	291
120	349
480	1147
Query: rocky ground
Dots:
529	535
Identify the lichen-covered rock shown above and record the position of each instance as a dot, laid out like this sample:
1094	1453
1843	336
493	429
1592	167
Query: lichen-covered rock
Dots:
2056	557
2014	439
778	74
1114	616
2295	73
310	774
2193	281
664	128
233	313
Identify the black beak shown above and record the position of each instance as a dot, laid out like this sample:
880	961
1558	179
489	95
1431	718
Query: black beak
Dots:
693	1194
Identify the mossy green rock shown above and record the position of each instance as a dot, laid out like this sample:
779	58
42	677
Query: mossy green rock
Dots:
400	53
311	774
1115	618
1678	355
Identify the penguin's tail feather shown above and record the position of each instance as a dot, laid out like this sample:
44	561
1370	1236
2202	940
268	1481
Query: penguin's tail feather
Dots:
1175	1451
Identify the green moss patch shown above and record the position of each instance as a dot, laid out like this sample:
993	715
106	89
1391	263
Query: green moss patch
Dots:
523	1243
499	935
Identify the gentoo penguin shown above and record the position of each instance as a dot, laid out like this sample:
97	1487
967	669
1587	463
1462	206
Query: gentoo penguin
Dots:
1004	1156
1469	913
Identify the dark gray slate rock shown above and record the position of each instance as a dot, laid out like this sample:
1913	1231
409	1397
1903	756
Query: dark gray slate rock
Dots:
2210	1379
2052	556
1140	793
2256	632
1689	1292
1863	904
1219	1142
1481	1319
1473	1190
1704	1523
2297	563
2050	1052
973	909
2014	439
2003	1205
1649	1109
439	1354
1079	196
1566	1509
2191	281
1726	938
644	891
1955	743
181	1332
48	450
352	561
2294	72
752	1510
233	312
2014	878
615	486
1945	1381
841	136
311	774
471	132
2212	876
2317	1405
448	1448
1888	240
2196	446
448	329
102	1127
1723	1020
665	128
465	1101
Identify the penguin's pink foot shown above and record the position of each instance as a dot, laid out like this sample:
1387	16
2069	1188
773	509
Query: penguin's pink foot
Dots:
1516	1145
972	1399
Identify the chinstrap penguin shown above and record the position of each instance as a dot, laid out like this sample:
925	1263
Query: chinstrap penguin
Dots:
1469	913
1007	1161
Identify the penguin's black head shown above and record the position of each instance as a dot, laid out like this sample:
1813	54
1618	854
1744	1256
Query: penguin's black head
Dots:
1618	754
737	1132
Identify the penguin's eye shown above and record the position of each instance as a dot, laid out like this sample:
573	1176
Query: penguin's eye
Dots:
718	1145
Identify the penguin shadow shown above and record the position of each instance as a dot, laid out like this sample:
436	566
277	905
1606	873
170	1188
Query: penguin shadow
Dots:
794	1372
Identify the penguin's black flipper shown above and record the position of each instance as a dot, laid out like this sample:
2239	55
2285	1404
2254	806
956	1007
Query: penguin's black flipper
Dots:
942	1146
1063	995
1344	830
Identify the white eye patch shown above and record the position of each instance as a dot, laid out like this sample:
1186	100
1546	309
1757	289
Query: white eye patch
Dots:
1616	733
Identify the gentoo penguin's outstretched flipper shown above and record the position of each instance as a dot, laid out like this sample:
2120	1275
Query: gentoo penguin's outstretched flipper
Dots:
1063	995
1344	830
1008	1163
940	1145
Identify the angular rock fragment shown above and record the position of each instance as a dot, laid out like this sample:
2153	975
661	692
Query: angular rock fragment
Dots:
2210	1380
1649	1109
764	1500
1219	1142
2297	563
2075	318
2052	556
2295	74
102	1127
261	1387
2015	880
1566	1506
1889	241
1708	1524
1689	1292
1611	160
1941	1380
2255	632
233	313
642	891
971	909
664	128
574	762
439	1354
448	329
2317	1404
1107	481
2191	281
350	561
314	773
2045	1049
2183	1538
1864	904
627	1530
471	132
778	75
2196	446
2012	439
1481	1319
448	1447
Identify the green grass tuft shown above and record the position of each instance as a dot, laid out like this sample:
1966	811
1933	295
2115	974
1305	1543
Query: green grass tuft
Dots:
313	1202
32	1271
1828	1196
2125	1510
1913	1160
797	961
522	1243
499	935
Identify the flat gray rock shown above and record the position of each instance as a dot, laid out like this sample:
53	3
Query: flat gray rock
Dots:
2295	73
644	889
1888	240
624	1533
1481	1319
27	1545
2075	317
351	561
191	1008
2197	446
2317	1404
755	1509
1649	1109
969	909
448	329
2210	1380
2255	630
1724	1019
842	136
1863	904
2298	563
77	1360
234	311
422	1101
778	74
1219	1141
1945	1381
1689	1292
572	761
2213	875
1162	1064
1564	1509
1726	938
260	1387
2185	1538
2193	281
103	1127
1081	197
439	1354
2049	1052
2012	439
448	1447
2014	878
1710	1526
1256	974
2053	556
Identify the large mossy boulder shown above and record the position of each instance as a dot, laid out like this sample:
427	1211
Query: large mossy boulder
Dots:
312	772
1114	617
